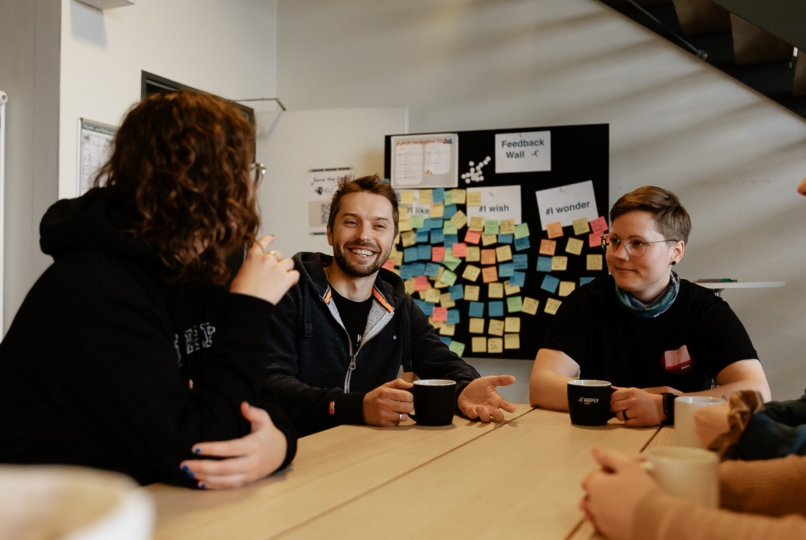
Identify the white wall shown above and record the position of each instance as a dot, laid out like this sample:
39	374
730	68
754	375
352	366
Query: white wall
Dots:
733	156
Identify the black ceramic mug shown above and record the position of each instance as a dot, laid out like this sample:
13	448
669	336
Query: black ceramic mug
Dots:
434	402
589	401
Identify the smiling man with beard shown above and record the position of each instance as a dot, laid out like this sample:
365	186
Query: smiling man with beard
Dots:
340	337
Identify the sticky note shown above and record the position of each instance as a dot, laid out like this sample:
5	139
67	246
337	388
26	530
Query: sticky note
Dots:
437	211
448	278
449	211
514	304
431	269
512	341
510	289
584	280
389	265
474	254
521	244
446	301
559	264
495	345
487	256
410	254
459	219
521	230
450	262
496	328
409	286
459	250
505	270
427	308
407	197
429	223
476	326
424	196
476	224
449	227
450	239
550	284
446	340
552	305
505	238
512	325
432	295
418	269
554	230
495	309
396	257
489	274
491	226
478	344
503	253
403	212
457	347
599	226
507	226
408	238
574	246
530	306
405	271
440	314
404	225
547	247
495	290
475	309
447	330
457	292
421	236
544	264
474	198
517	279
437	253
423	252
437	237
581	226
594	240
437	195
520	262
453	316
472	237
421	284
594	262
566	288
488	239
416	220
472	292
471	273
458	196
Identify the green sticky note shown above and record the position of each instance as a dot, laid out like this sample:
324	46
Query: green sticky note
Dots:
457	347
521	230
416	221
491	226
448	278
514	304
448	227
451	264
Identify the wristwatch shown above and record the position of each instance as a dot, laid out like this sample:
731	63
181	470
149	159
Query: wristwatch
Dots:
668	407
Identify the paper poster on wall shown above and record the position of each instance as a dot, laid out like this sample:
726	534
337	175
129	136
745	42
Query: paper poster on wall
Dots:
496	203
565	204
322	184
95	141
523	152
422	161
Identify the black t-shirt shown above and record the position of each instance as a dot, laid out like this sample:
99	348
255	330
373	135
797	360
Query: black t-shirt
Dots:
354	316
685	347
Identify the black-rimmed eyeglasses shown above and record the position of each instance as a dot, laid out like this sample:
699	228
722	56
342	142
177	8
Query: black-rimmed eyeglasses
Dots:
636	247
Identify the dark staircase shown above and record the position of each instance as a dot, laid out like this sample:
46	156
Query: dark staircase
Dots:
754	41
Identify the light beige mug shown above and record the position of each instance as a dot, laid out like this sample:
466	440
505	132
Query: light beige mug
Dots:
684	408
689	473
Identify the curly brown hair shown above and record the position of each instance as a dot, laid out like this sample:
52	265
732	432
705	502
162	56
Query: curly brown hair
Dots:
179	180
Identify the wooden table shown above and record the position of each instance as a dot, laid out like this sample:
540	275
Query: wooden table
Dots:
520	478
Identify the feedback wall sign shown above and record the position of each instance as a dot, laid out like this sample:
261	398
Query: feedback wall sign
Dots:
523	152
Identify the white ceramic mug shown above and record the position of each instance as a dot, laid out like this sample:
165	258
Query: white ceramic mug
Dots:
690	473
684	408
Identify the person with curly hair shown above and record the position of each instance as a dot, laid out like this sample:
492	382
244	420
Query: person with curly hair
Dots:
130	351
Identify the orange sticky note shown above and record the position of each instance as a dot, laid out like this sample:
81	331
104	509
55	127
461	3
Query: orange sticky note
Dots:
472	237
554	230
440	314
487	256
489	274
547	247
460	250
437	253
599	226
389	264
595	240
421	283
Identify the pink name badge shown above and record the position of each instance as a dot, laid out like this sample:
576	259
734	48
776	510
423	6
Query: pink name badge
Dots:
677	361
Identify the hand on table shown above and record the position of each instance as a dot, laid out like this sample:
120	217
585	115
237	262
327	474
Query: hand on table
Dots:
265	275
480	401
636	407
613	492
249	458
389	404
711	422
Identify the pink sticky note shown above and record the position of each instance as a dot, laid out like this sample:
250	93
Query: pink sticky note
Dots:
460	250
421	283
472	237
389	264
437	253
440	314
595	240
599	226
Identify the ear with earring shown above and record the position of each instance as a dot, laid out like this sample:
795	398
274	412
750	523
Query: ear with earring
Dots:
674	263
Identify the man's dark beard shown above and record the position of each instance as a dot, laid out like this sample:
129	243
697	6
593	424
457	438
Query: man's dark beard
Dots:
344	265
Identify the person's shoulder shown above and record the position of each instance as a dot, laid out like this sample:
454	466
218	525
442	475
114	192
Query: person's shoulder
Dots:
699	296
597	291
393	288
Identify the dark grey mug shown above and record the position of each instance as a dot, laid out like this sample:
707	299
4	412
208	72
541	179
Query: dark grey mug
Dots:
589	401
434	402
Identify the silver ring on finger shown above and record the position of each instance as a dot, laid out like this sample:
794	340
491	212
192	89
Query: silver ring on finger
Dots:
399	417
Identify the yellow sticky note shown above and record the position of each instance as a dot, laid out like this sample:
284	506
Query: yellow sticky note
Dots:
496	290
424	196
512	341
408	238
396	257
437	211
473	254
409	285
476	224
574	246
496	327
476	326
594	262
511	289
507	226
432	295
478	344
581	226
474	198
512	324
441	285
458	196
471	273
407	197
445	300
435	324
402	212
530	306
495	345
471	292
559	263
447	330
404	225
504	253
488	239
552	305
566	288
459	219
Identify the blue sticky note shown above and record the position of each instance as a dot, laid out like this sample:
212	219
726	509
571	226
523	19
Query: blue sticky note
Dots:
457	292
505	269
522	243
446	340
427	307
432	269
405	272
505	238
432	224
496	309
438	195
449	211
424	252
520	262
453	316
584	280
550	284
476	309
418	269
422	237
437	237
544	264
410	254
517	279
451	239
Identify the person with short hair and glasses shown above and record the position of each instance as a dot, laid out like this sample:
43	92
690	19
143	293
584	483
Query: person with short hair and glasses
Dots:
653	335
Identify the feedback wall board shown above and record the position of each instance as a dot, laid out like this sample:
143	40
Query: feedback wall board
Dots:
491	260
